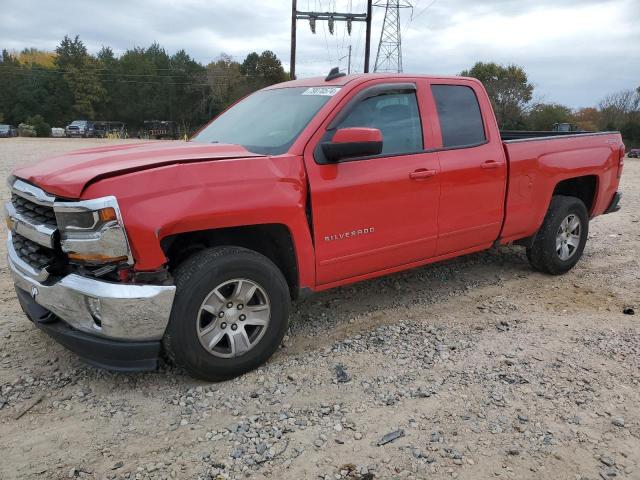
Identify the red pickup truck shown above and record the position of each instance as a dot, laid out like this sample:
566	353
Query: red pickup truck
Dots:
197	248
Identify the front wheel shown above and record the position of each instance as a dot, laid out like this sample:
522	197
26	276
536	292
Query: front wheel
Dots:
559	243
229	315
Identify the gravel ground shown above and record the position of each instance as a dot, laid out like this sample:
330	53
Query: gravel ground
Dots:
474	368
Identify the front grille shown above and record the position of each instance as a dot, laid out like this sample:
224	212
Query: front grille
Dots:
34	213
37	256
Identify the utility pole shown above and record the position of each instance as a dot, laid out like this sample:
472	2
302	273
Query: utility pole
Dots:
292	62
331	18
367	43
389	56
348	57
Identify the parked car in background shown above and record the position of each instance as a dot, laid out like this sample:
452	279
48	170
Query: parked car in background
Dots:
564	127
634	153
57	132
79	128
103	129
8	131
160	130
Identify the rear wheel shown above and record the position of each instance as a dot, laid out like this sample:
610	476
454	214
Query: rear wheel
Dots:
229	315
559	243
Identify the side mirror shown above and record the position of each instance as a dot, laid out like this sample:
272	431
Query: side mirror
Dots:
353	142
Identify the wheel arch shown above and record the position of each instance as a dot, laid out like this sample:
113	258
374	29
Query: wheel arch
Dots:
584	187
273	240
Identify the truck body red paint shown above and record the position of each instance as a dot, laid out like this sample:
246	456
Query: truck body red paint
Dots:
346	179
169	188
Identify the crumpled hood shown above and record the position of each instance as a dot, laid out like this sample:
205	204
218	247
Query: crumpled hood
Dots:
67	175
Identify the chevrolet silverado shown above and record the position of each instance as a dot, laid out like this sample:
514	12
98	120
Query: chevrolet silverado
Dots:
197	248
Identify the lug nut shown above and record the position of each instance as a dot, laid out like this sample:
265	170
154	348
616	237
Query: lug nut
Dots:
240	306
243	317
221	314
229	305
223	325
234	327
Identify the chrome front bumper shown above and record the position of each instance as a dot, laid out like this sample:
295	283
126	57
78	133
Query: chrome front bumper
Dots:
105	309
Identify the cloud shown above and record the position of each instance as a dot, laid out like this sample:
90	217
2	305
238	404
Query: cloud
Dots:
575	51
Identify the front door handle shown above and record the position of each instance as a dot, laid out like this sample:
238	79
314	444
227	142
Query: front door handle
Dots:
490	164
422	174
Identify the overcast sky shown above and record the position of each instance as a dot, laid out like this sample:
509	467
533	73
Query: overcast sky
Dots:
574	51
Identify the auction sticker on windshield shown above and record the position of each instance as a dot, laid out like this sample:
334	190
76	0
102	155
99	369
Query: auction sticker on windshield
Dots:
326	91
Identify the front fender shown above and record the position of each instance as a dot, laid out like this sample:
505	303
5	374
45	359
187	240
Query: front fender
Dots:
196	196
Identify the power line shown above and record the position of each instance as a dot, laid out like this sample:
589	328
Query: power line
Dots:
424	9
112	74
43	74
96	73
326	42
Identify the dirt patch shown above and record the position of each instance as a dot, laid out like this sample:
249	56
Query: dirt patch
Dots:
488	369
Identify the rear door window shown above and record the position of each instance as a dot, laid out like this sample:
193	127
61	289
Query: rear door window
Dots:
459	114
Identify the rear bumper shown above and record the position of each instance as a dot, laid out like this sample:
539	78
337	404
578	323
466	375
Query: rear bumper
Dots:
614	206
100	352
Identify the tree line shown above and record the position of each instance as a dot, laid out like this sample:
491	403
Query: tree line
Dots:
511	95
141	84
53	88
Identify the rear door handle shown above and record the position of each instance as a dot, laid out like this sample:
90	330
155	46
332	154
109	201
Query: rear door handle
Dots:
491	164
422	173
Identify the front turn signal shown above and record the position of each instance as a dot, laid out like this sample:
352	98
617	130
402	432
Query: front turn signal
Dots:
95	258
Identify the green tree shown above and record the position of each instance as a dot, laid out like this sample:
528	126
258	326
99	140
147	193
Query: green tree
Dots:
631	133
11	71
227	83
543	116
249	67
81	72
270	68
142	84
508	88
71	53
262	70
587	118
190	91
141	89
42	128
30	89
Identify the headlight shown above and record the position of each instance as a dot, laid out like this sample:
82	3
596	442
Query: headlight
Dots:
84	220
92	231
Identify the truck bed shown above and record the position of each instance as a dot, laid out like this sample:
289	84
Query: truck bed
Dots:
515	135
538	163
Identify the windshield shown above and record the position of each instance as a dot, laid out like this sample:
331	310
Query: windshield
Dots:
79	123
269	121
4	128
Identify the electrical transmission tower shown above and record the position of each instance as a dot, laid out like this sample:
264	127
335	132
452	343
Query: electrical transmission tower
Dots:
389	57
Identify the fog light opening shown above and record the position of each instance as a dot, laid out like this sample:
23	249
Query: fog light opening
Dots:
95	309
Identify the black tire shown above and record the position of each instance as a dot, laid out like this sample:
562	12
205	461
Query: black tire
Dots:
543	255
195	278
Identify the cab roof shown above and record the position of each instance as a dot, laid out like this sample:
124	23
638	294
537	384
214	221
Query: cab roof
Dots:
356	78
